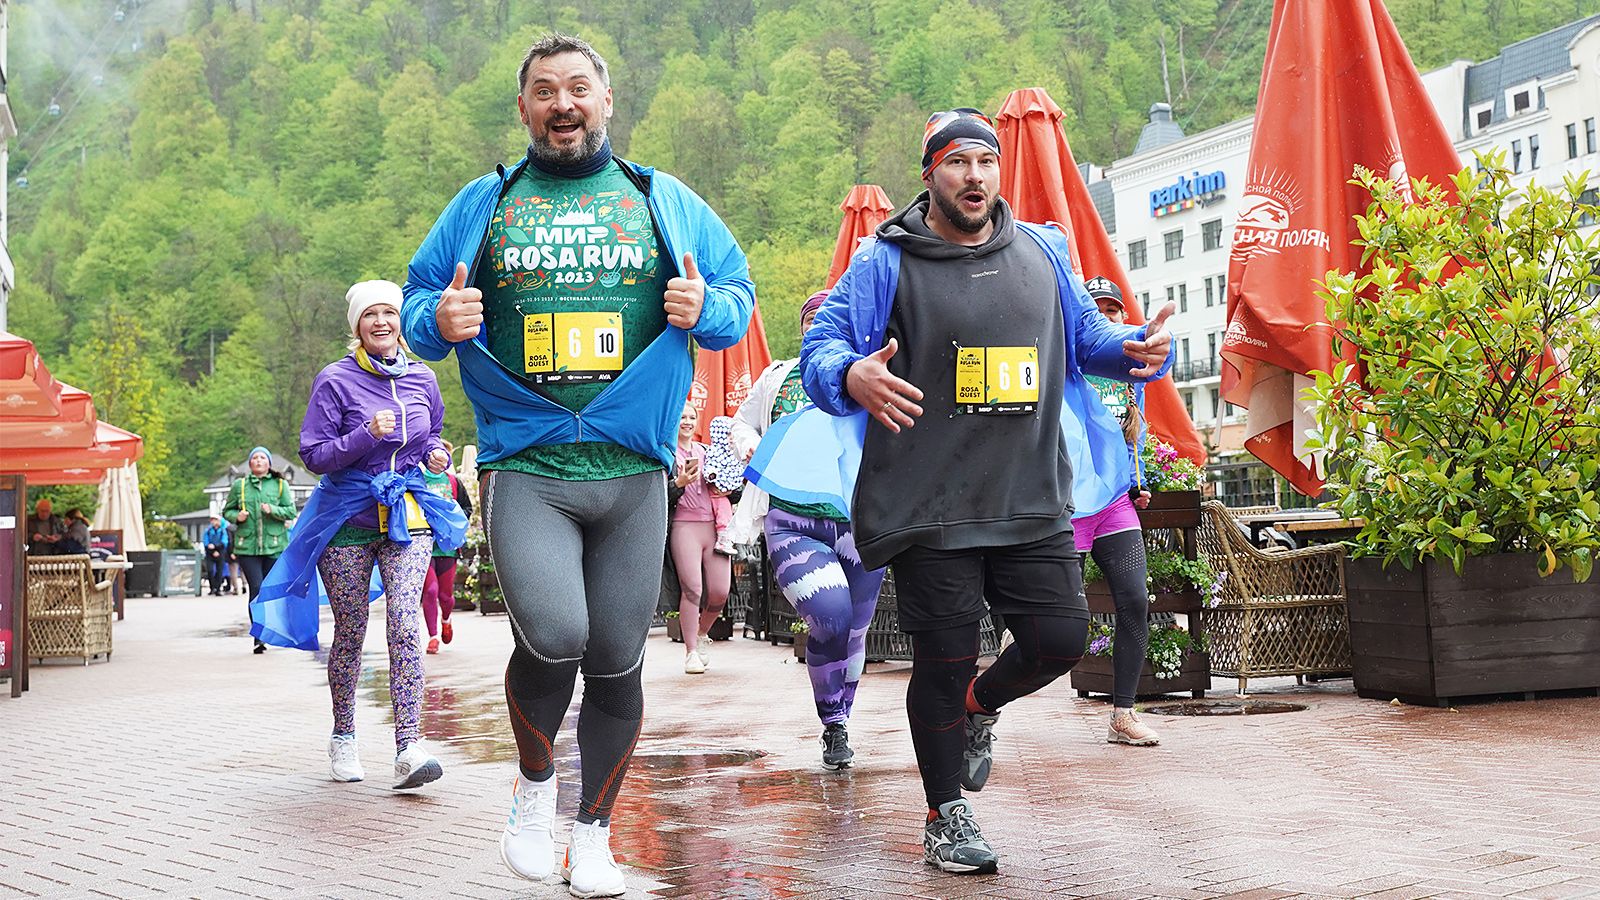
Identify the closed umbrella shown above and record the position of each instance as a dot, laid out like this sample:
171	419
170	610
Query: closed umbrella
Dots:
120	507
1040	180
1338	90
865	208
72	425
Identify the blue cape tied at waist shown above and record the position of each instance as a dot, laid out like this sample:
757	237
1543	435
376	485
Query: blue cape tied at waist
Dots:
810	456
285	613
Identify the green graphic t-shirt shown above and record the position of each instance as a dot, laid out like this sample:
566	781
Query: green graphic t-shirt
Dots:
791	396
572	280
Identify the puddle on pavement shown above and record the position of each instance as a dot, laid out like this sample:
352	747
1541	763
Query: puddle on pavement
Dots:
1225	708
674	764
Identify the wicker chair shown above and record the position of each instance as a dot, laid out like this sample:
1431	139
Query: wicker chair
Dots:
69	613
1280	613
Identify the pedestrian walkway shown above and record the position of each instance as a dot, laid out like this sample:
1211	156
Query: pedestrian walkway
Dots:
187	767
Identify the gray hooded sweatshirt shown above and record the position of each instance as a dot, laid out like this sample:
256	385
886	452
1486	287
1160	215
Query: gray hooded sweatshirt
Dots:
969	474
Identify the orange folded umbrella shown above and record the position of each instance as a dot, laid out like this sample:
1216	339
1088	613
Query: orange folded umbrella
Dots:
112	447
865	208
1040	180
722	378
72	426
26	386
1338	90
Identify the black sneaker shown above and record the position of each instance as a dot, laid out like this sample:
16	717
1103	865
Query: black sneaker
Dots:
954	844
836	752
979	750
259	648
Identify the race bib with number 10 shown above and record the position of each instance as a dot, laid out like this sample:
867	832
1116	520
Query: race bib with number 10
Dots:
572	348
997	381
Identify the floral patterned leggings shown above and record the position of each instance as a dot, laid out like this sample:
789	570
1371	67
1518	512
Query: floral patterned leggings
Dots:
346	573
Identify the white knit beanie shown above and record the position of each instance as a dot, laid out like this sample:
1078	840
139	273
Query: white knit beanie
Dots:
366	294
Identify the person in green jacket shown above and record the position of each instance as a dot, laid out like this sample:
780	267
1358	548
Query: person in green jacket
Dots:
261	504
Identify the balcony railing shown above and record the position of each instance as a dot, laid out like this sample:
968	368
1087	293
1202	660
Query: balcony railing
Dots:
1196	369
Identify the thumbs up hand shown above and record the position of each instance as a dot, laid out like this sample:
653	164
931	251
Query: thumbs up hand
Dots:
685	296
890	399
1157	343
460	310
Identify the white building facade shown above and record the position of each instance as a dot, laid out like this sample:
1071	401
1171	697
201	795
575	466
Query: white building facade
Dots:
1170	206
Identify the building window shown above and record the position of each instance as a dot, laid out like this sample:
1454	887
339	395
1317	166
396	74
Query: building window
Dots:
1144	302
1516	156
1216	402
1572	141
1229	410
1188	403
1210	291
1183	352
1174	244
1521	101
1588	130
1211	235
1211	346
1483	117
1533	151
1137	258
1183	298
1588	198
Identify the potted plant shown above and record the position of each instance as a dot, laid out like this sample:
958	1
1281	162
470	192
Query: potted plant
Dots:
674	627
1175	581
1174	483
1174	661
799	629
480	573
1461	430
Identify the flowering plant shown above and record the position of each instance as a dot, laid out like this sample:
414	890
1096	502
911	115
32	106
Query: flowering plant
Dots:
1165	571
1168	646
1166	470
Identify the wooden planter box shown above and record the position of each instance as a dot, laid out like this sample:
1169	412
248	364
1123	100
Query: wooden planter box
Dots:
800	647
1429	635
1171	509
489	584
1093	675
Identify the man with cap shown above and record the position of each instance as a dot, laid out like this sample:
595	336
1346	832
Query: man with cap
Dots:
813	557
1114	538
570	287
958	310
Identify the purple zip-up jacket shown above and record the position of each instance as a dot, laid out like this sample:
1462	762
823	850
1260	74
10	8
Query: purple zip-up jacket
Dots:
344	398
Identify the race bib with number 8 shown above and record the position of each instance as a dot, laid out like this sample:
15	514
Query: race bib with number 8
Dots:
997	381
572	348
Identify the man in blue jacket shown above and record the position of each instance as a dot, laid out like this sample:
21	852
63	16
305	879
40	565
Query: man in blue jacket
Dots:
569	288
960	312
216	540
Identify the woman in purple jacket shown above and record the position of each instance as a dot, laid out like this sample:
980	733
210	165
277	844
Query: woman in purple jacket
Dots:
375	411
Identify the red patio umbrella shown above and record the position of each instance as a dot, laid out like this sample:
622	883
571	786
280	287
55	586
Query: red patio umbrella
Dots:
73	426
1040	180
26	386
1338	90
865	208
722	378
112	447
66	476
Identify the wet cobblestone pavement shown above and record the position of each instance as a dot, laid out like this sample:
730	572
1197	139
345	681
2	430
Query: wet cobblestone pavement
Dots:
188	767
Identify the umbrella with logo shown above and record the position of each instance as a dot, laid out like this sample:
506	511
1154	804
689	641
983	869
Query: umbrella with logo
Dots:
722	378
1338	90
1040	180
865	208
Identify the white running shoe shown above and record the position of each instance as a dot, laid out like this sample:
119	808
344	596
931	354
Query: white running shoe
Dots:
528	844
703	650
589	868
693	664
345	758
415	767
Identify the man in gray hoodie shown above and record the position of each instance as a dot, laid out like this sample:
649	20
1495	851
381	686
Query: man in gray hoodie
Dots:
959	312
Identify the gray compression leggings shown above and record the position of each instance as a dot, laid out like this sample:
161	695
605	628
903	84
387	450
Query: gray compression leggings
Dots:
580	565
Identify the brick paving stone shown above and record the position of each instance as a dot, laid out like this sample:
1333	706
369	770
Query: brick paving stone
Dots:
188	767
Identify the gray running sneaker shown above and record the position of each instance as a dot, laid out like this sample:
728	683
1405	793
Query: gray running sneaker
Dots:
979	750
836	752
954	844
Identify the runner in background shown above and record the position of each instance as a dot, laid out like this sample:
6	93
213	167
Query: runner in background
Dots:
439	588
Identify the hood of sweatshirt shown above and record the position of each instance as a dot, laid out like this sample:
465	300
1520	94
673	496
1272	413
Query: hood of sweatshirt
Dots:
909	229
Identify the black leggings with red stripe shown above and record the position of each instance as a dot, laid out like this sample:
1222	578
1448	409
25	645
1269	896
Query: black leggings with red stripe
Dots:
580	565
943	662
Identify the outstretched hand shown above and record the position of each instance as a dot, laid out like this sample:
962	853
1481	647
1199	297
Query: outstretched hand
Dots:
890	399
1157	344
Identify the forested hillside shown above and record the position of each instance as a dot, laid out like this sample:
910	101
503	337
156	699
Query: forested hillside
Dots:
215	173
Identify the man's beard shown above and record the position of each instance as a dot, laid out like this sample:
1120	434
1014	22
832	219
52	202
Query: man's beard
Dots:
547	152
963	222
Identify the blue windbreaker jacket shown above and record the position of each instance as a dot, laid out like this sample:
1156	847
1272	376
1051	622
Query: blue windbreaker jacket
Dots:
640	409
851	324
